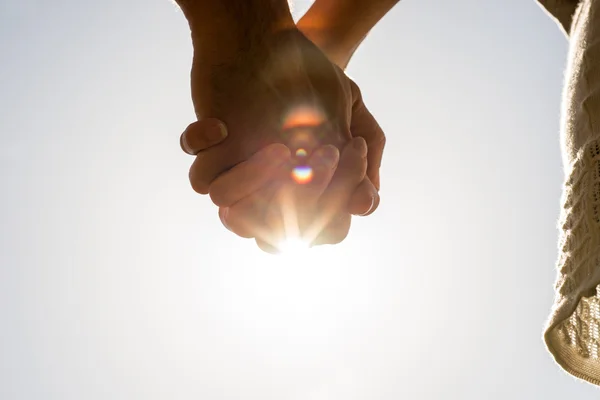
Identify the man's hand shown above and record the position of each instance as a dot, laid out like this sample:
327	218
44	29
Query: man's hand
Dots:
285	92
281	89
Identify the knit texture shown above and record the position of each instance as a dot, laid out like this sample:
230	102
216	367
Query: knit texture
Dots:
572	334
573	331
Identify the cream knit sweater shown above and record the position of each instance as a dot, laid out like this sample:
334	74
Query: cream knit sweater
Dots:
573	330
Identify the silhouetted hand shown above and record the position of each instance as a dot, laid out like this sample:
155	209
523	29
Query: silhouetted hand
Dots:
307	120
316	210
284	91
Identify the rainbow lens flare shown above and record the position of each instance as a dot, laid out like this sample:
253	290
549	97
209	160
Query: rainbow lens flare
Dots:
302	174
303	116
301	153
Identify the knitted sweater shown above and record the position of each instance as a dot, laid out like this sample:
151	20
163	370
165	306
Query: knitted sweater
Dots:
572	333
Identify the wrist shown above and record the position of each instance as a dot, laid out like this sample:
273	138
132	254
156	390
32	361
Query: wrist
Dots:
334	41
222	29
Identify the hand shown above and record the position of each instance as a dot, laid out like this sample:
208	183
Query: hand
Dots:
363	201
316	212
286	91
248	190
339	48
249	176
201	135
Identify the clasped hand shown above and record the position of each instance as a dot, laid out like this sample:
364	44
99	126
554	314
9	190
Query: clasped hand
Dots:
284	144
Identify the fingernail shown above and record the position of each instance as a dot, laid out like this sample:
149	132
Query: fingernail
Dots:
370	207
217	133
360	145
184	145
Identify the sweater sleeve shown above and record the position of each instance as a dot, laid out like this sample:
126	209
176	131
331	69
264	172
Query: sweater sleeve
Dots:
572	333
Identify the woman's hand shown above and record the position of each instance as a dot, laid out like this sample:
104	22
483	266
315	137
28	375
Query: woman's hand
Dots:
258	195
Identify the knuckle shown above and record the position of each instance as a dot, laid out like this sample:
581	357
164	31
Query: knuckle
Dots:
381	141
378	140
356	92
219	197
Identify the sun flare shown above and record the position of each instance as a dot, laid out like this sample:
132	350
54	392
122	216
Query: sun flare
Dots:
293	247
302	174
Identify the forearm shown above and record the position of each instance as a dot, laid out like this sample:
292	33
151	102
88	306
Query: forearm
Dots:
339	26
222	28
562	11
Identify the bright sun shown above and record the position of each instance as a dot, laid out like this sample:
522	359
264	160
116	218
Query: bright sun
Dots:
293	247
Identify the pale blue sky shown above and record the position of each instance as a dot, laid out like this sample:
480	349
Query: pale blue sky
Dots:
117	281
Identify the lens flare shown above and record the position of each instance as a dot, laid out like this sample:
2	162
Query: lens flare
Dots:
302	174
301	153
303	116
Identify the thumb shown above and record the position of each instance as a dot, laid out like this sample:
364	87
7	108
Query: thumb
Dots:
201	135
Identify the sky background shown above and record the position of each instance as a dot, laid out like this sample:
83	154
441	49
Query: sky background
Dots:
117	281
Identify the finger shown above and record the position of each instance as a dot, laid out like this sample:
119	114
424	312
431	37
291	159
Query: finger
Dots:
246	217
266	247
282	217
321	167
349	174
296	198
214	161
363	124
201	135
236	223
336	231
364	200
249	176
376	201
